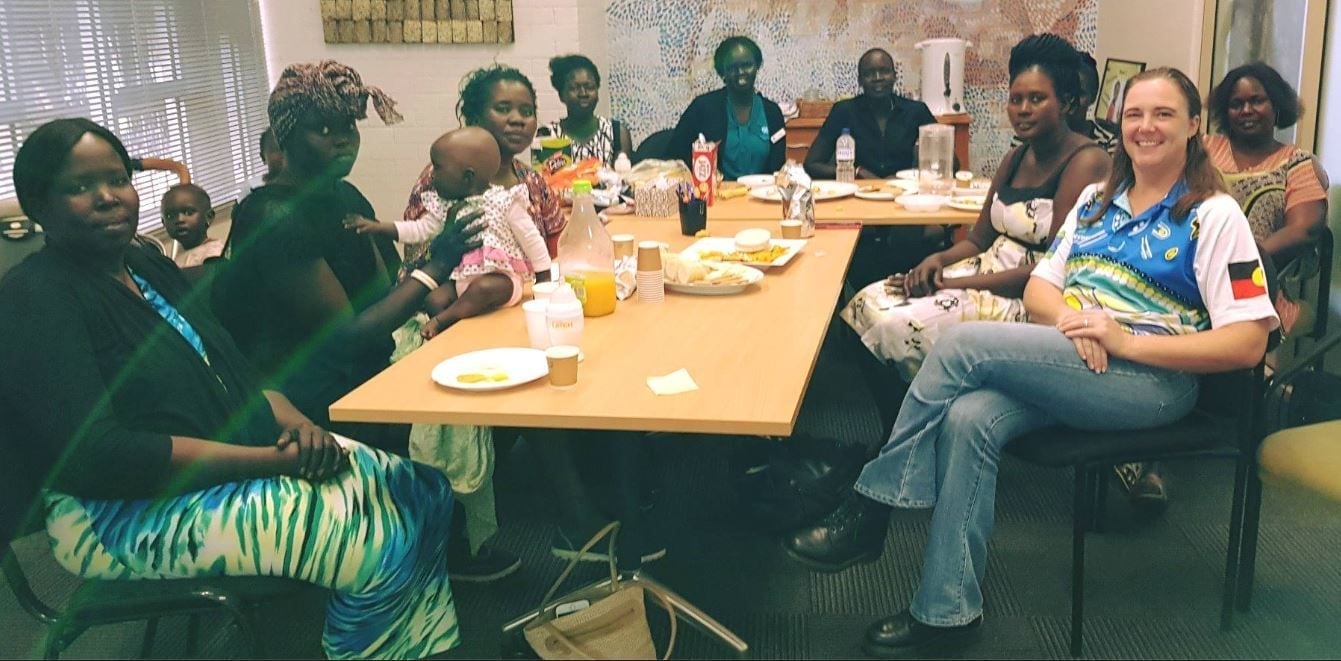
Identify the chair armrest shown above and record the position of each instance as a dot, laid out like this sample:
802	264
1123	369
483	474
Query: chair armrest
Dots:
1275	396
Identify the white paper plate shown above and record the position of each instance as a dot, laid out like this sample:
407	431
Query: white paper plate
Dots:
824	190
518	364
753	276
906	185
756	180
882	195
966	204
728	245
909	174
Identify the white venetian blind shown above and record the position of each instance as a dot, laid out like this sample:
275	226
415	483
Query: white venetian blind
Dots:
177	79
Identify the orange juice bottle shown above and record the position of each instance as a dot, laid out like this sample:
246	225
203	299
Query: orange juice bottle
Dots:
587	255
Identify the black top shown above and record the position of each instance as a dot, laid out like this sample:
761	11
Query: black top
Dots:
94	381
275	227
881	153
707	115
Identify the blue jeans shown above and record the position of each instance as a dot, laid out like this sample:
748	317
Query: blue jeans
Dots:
984	384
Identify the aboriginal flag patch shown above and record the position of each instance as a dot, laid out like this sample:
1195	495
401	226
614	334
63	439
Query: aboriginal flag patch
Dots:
1247	279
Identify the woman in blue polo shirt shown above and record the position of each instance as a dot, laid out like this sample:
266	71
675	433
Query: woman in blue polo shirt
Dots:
1141	291
747	127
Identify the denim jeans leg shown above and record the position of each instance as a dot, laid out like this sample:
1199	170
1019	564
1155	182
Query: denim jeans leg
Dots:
968	451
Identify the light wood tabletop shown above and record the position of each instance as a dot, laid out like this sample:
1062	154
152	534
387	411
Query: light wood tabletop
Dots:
751	355
848	209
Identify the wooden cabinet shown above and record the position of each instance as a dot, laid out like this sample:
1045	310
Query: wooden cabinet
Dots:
801	133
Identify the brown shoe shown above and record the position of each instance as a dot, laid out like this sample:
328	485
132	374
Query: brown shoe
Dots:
1144	486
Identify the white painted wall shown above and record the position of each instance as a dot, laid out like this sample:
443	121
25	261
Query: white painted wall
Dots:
1329	101
424	79
1157	32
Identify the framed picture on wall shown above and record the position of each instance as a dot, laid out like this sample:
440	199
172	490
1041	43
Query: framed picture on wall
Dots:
1113	87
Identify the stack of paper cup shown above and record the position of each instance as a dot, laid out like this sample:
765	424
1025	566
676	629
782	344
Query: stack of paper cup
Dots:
651	279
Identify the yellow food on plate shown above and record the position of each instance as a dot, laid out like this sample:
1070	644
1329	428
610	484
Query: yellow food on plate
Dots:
767	256
731	189
477	377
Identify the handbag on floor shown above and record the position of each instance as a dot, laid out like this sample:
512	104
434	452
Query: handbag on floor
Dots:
598	623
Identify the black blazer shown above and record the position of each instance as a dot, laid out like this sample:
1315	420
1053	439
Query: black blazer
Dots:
707	115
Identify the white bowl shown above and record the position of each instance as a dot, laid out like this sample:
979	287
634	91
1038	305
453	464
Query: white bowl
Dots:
753	240
920	203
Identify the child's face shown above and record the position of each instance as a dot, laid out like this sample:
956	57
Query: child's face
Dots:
186	217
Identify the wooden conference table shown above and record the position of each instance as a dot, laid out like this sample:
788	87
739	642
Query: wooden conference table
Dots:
751	355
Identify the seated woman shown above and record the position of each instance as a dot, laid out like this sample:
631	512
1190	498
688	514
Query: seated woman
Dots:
748	128
1282	188
885	126
294	273
1153	279
983	277
162	455
578	83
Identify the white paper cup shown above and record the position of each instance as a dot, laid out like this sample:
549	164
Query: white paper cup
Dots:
537	327
791	229
543	290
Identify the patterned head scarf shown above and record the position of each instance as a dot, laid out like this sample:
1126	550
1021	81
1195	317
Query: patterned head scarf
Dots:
326	89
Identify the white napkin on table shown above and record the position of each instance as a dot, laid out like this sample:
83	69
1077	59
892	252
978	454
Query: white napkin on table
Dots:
674	383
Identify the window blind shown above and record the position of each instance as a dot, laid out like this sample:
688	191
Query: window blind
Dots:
178	79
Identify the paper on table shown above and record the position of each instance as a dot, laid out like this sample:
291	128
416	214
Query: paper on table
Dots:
674	383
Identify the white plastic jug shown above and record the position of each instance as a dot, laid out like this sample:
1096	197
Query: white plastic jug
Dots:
943	74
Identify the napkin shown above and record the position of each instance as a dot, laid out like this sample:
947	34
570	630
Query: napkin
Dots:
674	383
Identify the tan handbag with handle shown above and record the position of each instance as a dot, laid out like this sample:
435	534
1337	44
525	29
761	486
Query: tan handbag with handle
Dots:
610	623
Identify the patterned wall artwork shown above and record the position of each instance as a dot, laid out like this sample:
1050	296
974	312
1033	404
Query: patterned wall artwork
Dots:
417	21
661	52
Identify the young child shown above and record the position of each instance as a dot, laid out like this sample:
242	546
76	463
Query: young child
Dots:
273	157
187	214
513	251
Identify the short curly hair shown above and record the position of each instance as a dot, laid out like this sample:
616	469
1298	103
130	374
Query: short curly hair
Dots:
1284	100
1052	55
563	66
476	88
719	56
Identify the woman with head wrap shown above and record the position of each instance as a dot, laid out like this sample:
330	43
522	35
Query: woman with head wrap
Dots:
295	274
159	452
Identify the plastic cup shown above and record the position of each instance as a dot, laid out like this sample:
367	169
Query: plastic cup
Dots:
543	290
537	327
562	361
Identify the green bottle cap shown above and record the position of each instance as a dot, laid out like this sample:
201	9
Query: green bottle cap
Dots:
581	186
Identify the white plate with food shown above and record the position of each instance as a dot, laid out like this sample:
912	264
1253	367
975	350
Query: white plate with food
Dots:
491	369
878	192
713	278
756	180
972	203
903	185
824	190
720	249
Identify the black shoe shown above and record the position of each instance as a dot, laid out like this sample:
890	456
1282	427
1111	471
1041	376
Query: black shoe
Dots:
1144	487
900	636
490	564
853	533
566	545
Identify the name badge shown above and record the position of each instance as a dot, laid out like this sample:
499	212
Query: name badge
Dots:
782	133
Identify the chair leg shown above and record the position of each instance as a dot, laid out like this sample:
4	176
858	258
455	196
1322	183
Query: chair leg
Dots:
1234	546
1099	479
150	631
1080	522
1251	519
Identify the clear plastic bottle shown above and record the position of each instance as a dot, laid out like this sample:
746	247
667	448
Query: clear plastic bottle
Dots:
587	255
845	155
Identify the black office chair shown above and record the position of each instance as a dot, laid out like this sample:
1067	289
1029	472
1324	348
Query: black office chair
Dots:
99	602
1224	424
656	146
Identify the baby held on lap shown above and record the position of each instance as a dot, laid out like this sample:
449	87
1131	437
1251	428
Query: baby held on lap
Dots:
512	250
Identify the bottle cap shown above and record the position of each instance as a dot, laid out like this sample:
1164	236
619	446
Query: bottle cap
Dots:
581	186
